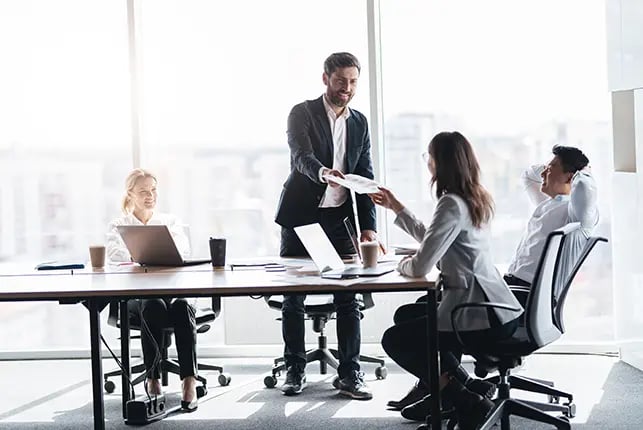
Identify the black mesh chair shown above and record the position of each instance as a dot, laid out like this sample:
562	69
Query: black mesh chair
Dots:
204	316
543	325
320	309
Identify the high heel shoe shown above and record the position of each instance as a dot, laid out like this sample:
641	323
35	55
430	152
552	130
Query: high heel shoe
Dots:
189	406
187	386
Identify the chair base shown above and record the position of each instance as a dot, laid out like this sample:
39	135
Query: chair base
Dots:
167	366
540	386
326	357
504	408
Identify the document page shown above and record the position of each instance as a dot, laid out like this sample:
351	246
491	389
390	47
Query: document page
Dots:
357	183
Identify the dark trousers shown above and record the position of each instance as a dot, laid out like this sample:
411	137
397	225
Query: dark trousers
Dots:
159	315
406	341
347	308
332	222
348	331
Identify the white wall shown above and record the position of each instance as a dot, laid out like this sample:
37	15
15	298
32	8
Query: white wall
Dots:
625	76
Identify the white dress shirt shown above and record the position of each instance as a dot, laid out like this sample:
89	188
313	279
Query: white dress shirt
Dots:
466	266
116	249
336	196
552	213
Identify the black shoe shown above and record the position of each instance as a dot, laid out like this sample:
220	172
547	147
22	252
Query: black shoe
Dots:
482	387
417	392
353	386
295	381
420	410
471	409
189	406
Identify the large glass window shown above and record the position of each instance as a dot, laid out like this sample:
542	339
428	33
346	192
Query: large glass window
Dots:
218	83
515	79
64	146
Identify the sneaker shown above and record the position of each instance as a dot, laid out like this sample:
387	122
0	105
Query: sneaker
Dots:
337	383
295	381
353	386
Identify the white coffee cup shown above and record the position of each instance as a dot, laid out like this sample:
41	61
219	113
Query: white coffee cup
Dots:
370	251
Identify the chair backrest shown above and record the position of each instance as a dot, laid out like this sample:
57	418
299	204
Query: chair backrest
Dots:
580	255
539	312
565	251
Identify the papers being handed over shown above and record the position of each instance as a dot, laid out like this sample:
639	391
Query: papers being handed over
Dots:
357	183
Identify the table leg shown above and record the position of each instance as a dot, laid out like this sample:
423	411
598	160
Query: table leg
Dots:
125	355
434	358
94	308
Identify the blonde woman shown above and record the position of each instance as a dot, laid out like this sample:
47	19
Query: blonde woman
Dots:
138	206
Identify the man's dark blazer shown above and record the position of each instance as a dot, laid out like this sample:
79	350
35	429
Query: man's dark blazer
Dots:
311	147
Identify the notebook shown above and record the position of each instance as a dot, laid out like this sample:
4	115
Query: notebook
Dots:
152	245
328	261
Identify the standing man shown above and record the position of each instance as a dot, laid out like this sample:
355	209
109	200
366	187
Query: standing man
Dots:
326	137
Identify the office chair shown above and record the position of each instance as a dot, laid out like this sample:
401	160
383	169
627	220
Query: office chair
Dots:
543	325
320	312
204	316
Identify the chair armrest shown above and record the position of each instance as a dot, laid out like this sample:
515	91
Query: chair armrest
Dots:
486	305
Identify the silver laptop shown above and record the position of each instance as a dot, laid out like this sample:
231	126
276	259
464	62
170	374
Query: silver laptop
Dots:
328	261
152	245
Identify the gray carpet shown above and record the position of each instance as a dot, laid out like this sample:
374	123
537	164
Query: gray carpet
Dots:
611	399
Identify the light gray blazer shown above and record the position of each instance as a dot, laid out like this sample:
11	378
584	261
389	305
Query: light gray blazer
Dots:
461	252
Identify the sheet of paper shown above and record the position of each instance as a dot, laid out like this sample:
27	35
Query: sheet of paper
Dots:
357	183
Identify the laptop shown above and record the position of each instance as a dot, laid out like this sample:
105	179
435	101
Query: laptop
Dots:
328	261
152	245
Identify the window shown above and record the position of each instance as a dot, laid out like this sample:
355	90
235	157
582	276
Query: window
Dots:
502	73
218	84
64	145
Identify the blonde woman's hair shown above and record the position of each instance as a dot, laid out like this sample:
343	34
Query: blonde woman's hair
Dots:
130	182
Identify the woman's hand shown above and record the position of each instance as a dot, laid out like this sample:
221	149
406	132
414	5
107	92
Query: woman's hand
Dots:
385	198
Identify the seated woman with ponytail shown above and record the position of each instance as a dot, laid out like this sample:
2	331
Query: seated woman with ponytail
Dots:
139	203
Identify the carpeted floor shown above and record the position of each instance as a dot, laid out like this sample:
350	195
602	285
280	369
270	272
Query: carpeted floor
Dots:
56	395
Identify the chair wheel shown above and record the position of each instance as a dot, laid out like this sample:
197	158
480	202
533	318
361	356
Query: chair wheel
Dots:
224	379
270	381
201	391
381	372
567	425
554	399
109	387
571	410
451	423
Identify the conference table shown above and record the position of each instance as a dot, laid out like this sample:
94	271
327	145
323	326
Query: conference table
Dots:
96	288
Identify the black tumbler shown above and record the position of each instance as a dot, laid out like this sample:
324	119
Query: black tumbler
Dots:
217	252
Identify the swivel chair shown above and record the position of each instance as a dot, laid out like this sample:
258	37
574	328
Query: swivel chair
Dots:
320	312
543	325
204	316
